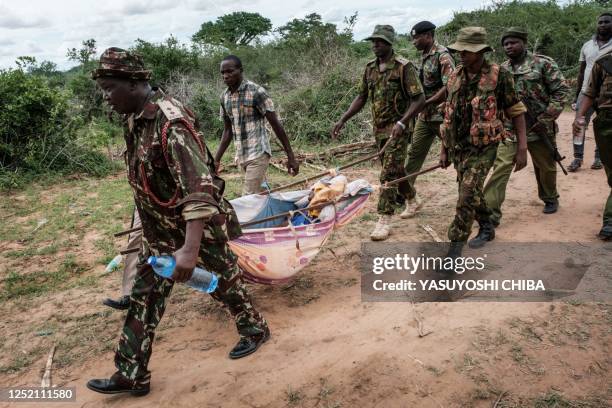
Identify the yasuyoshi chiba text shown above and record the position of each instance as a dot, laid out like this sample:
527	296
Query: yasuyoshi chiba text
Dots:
459	285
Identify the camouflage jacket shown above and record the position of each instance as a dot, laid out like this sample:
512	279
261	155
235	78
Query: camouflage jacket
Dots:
475	107
600	82
436	67
172	175
540	85
389	92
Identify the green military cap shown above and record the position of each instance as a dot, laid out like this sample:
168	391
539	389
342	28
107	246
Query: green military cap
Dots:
383	32
119	63
516	32
472	39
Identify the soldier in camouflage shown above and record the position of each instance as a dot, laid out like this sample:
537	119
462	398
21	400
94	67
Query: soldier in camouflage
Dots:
598	94
479	93
540	85
436	67
391	84
179	198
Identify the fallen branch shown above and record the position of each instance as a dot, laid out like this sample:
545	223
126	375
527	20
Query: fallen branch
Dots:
46	379
431	232
419	322
499	399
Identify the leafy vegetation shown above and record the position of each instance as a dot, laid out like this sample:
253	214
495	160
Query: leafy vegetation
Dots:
56	122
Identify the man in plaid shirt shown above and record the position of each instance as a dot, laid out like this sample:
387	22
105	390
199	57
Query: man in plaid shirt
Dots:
244	105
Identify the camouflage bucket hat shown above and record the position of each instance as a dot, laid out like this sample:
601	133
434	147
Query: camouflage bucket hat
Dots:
516	32
119	63
473	39
382	32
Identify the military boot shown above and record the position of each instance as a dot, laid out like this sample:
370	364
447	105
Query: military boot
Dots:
454	251
412	207
486	233
382	228
605	233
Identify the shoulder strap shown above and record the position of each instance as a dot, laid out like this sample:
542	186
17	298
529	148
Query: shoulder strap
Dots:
402	83
170	111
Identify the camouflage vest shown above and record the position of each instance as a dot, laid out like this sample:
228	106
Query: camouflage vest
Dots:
387	92
486	126
223	226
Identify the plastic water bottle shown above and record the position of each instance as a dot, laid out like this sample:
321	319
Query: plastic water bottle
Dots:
578	138
201	279
114	264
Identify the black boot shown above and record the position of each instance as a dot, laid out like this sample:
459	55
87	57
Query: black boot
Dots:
454	252
117	384
605	233
550	207
249	345
123	303
486	233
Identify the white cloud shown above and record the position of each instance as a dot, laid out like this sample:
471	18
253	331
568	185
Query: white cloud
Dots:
55	26
11	20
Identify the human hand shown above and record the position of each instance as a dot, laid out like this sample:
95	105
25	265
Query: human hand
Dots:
520	159
336	129
185	263
293	166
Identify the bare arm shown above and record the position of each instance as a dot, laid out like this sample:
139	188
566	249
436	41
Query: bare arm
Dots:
357	104
226	138
580	78
437	98
279	131
187	256
415	107
520	160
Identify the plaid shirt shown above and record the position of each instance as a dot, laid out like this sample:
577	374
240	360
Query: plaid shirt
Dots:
246	109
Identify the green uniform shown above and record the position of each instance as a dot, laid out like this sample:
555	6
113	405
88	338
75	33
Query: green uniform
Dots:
172	175
541	86
390	92
600	89
471	131
436	67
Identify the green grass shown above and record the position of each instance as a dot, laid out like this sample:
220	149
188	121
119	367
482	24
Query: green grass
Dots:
40	282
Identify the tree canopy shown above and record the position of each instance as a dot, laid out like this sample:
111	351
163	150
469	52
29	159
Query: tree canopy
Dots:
238	28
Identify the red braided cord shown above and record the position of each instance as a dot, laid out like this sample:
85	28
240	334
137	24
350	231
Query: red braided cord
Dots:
164	137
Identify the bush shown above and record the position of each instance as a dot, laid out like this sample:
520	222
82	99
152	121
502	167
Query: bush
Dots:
37	131
310	111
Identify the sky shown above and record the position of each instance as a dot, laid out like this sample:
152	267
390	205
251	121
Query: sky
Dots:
46	29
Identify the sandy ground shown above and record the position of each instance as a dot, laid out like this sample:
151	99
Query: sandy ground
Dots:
329	349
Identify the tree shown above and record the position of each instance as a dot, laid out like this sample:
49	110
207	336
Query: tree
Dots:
238	28
167	58
83	55
307	27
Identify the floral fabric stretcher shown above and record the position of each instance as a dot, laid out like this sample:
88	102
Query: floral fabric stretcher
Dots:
275	251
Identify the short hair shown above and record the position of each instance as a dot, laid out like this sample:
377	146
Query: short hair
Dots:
233	58
605	13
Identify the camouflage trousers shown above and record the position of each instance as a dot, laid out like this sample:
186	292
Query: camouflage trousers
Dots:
472	165
393	197
148	302
602	126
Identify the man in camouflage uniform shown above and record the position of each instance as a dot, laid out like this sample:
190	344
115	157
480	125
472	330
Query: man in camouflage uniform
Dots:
390	82
540	85
479	94
598	94
436	67
180	201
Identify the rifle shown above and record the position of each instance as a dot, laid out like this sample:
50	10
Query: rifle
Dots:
532	125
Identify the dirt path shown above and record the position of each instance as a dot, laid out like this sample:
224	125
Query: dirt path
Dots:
328	349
